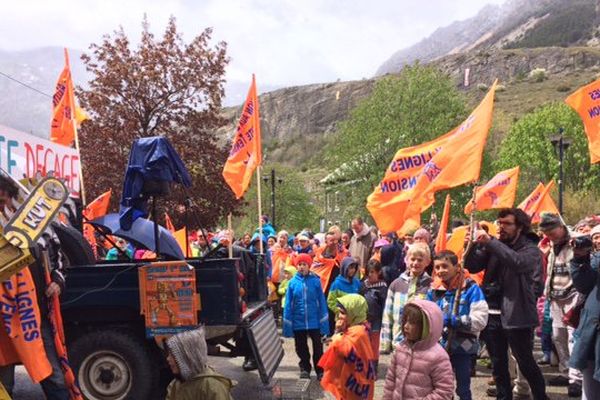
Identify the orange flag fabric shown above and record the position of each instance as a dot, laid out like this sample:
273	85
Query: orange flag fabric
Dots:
441	240
280	258
586	101
459	160
417	172
64	124
169	225
323	268
96	209
246	152
56	323
539	201
499	192
20	333
181	237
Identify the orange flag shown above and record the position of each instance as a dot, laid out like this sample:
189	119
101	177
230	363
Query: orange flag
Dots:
411	224
246	153
64	124
586	101
540	196
96	209
459	161
440	240
499	192
323	268
170	227
417	172
181	238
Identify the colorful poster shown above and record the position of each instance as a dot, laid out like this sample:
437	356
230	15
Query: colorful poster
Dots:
168	298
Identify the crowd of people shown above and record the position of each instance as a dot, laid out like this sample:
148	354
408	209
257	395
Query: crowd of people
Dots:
437	312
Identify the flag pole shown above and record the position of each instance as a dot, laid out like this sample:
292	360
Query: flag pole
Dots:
74	119
260	224
230	231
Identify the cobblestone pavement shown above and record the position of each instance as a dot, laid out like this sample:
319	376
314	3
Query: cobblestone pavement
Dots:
286	383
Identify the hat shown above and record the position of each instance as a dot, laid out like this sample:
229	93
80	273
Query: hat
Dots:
305	258
549	221
380	243
303	238
595	230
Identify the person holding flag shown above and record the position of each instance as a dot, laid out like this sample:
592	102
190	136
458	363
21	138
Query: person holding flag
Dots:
45	359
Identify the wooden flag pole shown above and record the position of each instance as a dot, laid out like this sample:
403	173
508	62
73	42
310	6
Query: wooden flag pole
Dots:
230	231
260	225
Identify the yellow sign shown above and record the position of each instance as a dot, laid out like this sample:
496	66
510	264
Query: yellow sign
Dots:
36	213
3	393
12	259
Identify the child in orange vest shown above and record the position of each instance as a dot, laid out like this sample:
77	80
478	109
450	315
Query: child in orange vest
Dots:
349	363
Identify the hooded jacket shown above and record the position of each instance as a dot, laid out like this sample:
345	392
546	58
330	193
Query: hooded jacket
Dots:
512	278
341	285
349	362
305	306
586	280
283	286
198	380
421	371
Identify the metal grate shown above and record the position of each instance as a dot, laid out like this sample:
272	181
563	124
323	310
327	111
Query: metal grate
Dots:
266	345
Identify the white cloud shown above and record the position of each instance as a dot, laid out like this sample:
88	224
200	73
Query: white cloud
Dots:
284	42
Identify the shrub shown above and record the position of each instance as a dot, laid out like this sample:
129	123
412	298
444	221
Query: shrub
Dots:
563	88
537	75
482	86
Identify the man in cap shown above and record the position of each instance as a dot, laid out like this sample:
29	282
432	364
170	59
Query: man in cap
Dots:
563	297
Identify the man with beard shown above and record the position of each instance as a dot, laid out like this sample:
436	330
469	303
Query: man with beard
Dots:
511	286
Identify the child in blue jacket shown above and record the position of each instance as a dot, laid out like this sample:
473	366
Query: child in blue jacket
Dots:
305	315
464	317
345	283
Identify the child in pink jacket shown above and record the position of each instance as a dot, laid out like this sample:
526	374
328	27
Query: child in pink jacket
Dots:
420	368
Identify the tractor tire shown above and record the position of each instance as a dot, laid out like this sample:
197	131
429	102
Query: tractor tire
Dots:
74	246
114	365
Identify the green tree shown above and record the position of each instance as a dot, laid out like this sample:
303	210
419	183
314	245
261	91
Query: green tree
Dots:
417	105
528	145
295	209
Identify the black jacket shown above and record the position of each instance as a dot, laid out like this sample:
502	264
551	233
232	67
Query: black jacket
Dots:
512	278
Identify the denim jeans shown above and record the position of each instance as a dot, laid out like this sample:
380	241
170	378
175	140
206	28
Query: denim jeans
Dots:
461	364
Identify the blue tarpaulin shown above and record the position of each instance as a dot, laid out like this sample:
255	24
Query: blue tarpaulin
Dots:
151	158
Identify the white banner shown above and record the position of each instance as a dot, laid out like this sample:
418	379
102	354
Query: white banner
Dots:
23	155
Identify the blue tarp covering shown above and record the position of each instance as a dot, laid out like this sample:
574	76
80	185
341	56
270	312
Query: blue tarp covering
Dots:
151	158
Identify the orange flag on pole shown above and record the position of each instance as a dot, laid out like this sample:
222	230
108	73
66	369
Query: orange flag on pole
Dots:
586	101
246	153
530	202
416	173
459	161
499	192
539	201
169	225
441	240
64	123
96	209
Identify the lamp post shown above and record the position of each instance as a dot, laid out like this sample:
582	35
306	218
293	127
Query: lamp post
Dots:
560	145
266	179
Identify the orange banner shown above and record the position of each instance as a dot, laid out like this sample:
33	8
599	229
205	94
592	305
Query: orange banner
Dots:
64	125
246	152
21	330
323	269
499	192
459	161
441	240
586	101
417	172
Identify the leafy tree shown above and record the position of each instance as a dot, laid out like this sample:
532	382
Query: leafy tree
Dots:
162	87
528	145
418	105
294	210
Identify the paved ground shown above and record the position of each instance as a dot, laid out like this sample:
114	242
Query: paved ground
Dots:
286	378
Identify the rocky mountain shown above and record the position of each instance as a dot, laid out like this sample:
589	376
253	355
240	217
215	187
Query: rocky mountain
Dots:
514	24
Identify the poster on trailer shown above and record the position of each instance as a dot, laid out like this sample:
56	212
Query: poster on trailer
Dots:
168	298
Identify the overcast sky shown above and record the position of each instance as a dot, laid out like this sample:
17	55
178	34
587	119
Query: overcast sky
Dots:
284	42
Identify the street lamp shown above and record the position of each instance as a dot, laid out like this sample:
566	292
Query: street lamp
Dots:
273	180
560	145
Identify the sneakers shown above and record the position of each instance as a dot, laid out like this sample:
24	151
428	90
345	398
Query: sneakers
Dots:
574	389
558	380
304	375
249	364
